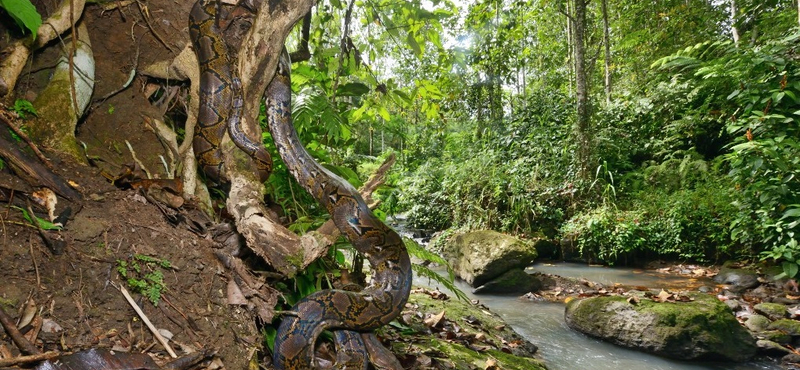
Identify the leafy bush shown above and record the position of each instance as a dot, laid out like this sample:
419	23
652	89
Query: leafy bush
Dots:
687	224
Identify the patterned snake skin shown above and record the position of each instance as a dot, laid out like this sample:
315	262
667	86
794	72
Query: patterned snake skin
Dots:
221	98
354	314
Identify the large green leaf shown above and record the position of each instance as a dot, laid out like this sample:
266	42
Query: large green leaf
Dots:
24	13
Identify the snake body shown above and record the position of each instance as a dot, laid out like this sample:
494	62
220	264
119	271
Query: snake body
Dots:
221	97
352	315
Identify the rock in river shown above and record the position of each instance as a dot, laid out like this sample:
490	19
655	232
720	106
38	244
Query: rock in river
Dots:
480	256
703	329
513	281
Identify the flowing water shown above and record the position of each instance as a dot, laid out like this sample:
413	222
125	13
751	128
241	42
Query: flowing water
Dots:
543	324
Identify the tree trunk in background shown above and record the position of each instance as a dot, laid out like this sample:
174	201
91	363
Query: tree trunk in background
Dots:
607	42
734	30
570	49
798	12
581	129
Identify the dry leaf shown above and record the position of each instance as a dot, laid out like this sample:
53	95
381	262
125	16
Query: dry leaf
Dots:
434	320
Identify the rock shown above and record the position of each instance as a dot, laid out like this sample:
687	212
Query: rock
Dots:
480	256
514	281
771	348
776	336
792	359
757	323
703	329
467	335
738	279
733	304
774	311
791	327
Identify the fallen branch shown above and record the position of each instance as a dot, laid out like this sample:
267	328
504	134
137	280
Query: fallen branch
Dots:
21	360
11	329
147	322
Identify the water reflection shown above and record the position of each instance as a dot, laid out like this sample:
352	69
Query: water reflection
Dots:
564	349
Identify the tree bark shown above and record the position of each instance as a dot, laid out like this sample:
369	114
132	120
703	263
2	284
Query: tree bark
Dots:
607	43
581	128
734	29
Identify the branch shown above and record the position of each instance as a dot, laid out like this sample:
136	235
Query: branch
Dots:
303	53
258	57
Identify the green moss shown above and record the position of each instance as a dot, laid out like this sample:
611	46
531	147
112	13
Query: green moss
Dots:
791	327
774	311
464	358
704	323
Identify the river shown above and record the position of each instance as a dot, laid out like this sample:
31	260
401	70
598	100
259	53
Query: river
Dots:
543	324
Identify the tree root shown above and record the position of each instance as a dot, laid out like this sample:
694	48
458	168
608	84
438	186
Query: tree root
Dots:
19	51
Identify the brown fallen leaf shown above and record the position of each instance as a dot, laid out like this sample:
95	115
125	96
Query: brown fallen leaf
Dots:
434	320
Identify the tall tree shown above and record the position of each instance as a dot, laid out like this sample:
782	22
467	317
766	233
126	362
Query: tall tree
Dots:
582	121
607	44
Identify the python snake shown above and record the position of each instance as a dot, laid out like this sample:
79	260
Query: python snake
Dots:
221	97
352	315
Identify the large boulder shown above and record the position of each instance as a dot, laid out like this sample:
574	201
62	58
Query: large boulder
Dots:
703	329
477	257
515	281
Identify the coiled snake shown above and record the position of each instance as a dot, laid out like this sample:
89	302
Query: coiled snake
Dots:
221	98
351	315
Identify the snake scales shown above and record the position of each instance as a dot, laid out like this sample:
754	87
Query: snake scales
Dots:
221	97
351	315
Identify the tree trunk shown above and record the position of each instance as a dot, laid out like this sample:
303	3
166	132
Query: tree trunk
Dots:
581	128
607	42
734	29
570	49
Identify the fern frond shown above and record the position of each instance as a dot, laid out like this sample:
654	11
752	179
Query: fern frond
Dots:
415	250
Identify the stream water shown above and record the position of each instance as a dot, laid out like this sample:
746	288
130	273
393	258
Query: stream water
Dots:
543	324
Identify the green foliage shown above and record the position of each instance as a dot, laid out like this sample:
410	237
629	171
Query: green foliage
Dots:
144	275
788	255
420	270
24	14
43	223
22	108
755	94
690	223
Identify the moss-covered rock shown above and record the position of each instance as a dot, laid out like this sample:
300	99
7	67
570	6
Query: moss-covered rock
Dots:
513	281
757	323
467	336
774	311
703	329
480	256
776	336
791	327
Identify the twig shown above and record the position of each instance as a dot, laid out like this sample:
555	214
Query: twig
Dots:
19	360
147	322
71	54
27	140
12	331
47	241
35	265
146	17
135	159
